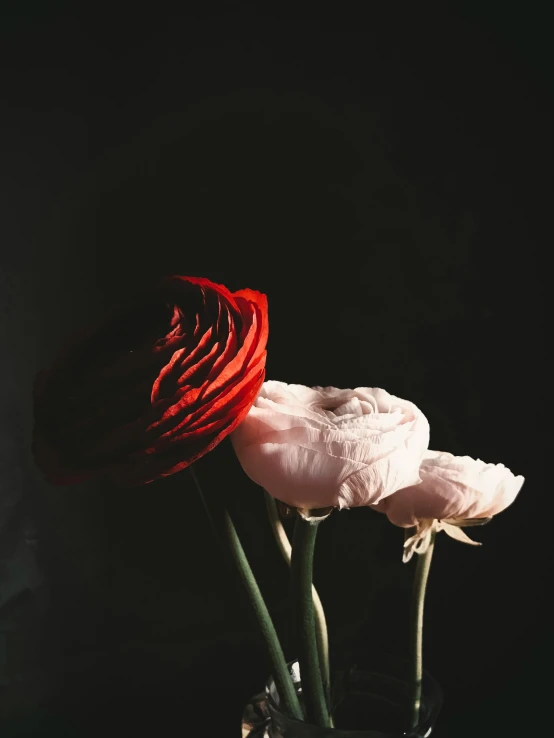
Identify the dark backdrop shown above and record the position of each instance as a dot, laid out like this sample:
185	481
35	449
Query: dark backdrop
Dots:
384	176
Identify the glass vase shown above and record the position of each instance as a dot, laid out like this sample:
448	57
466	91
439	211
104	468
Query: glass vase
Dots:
366	702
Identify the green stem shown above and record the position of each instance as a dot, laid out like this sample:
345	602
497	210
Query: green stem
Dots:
207	509
416	627
320	621
280	672
303	544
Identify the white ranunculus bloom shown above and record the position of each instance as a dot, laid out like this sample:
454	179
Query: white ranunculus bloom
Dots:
454	491
327	447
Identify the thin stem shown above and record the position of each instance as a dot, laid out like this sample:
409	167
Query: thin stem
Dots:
280	672
320	621
206	507
416	627
303	544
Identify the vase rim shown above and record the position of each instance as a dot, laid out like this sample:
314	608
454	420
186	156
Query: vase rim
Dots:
433	691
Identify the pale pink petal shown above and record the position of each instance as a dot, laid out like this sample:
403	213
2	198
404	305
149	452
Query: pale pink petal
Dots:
453	487
298	476
379	480
454	531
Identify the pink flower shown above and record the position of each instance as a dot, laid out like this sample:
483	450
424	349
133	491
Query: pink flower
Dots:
454	491
326	447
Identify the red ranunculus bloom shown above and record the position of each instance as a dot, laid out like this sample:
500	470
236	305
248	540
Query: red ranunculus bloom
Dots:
153	386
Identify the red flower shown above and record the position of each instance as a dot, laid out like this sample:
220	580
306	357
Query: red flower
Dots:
152	387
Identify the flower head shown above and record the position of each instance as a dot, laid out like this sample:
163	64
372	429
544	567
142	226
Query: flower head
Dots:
455	491
326	447
153	385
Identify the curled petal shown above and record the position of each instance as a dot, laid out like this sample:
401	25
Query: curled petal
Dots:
418	543
315	515
455	531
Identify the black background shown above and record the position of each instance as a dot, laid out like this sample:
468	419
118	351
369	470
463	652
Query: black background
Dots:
385	177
